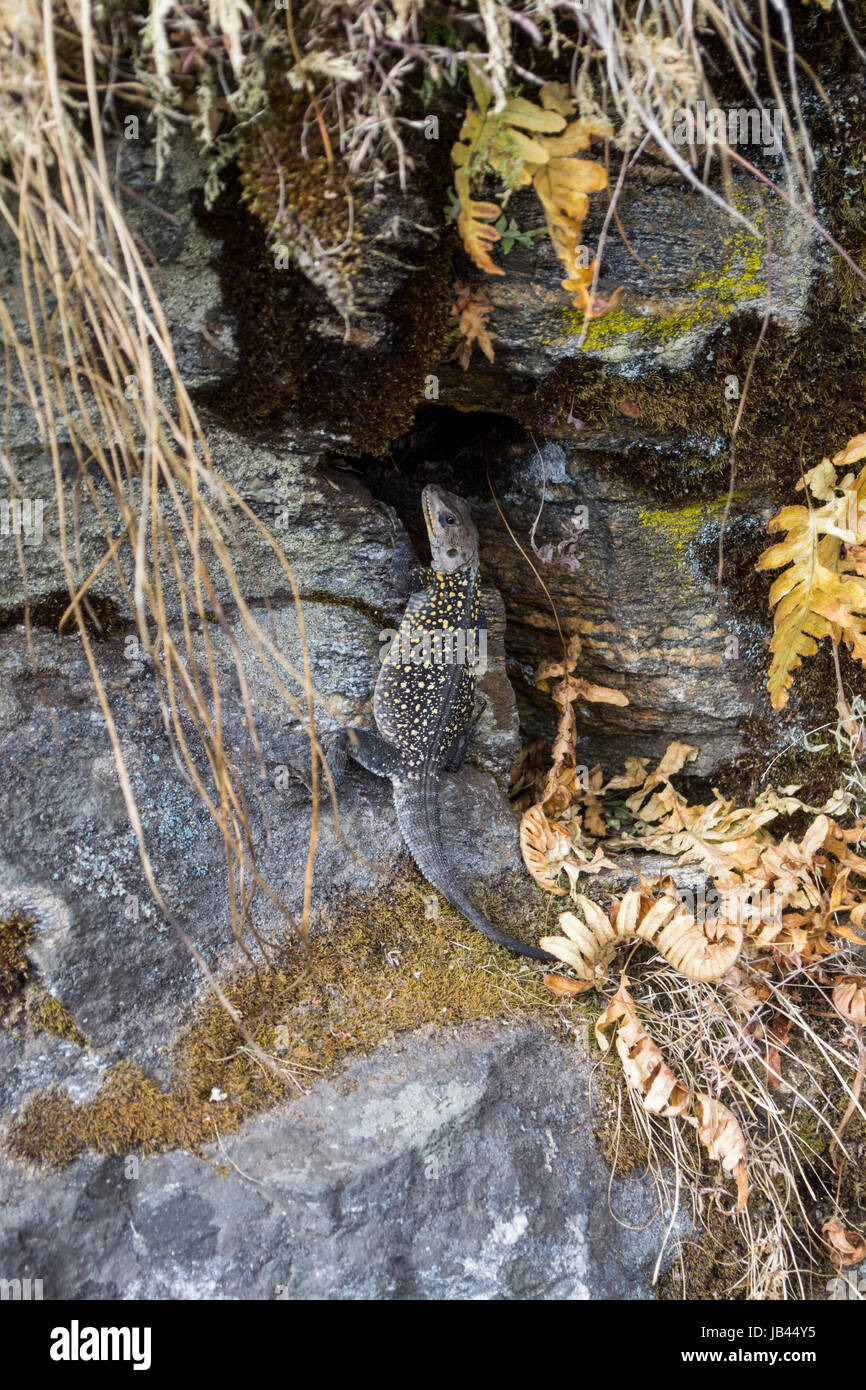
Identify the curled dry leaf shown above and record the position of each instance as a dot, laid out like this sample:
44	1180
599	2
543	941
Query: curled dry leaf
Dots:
472	309
845	1247
562	985
539	837
548	852
854	451
595	305
699	950
720	1132
645	1068
849	998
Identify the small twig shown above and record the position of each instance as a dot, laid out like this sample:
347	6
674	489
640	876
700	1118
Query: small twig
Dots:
856	1088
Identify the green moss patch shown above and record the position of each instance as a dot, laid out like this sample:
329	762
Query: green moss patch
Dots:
708	1267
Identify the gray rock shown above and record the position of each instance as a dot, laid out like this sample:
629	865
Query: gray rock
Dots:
700	270
444	1166
624	572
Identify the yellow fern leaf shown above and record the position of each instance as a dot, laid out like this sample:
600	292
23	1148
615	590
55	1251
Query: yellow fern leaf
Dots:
816	595
474	227
562	185
576	136
545	157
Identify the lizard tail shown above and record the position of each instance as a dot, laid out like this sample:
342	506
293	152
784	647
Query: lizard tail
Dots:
417	807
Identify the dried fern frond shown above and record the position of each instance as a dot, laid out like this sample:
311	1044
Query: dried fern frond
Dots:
663	1093
721	1133
494	139
822	590
645	1068
699	950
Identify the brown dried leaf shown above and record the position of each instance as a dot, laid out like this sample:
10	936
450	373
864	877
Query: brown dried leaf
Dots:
846	1247
538	836
854	451
548	159
472	308
562	985
720	1132
645	1068
849	998
579	689
776	1039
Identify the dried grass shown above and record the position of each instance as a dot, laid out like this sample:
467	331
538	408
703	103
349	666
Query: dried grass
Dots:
88	326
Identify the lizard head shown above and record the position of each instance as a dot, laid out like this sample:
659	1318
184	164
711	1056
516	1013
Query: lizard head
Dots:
451	530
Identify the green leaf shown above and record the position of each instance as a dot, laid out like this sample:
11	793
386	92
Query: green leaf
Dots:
511	233
452	211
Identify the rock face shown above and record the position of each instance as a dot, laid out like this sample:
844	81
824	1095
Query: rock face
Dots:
691	273
625	572
450	1166
439	1168
624	461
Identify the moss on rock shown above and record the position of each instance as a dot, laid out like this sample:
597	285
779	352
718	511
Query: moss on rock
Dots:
48	1015
399	961
16	933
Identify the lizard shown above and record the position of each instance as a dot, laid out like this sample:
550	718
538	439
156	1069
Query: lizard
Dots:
423	707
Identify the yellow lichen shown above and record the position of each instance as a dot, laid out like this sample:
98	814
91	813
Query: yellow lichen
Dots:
701	304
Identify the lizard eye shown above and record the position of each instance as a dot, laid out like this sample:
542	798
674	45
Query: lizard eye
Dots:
446	519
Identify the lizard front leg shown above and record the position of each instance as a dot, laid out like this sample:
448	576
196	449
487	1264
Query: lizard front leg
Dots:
364	745
407	572
367	748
